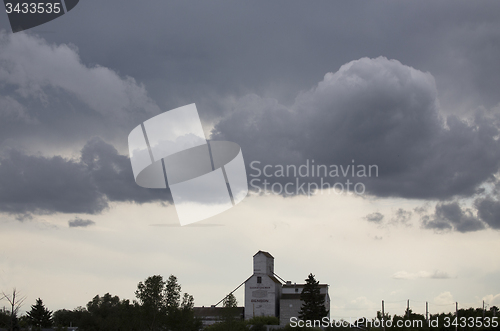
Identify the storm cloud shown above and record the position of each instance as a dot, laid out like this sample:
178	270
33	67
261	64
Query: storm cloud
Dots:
58	91
489	211
31	184
452	216
281	46
47	93
371	112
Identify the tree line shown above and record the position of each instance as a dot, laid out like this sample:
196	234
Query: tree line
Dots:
159	305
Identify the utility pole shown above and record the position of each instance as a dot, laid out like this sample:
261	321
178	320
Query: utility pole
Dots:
456	314
483	310
383	315
408	309
427	312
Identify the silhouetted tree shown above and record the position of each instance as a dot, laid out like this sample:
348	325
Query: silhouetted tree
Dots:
39	317
172	293
230	301
4	318
162	306
230	308
109	313
65	318
313	307
151	296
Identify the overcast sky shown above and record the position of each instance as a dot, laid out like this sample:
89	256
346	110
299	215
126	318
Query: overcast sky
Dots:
411	88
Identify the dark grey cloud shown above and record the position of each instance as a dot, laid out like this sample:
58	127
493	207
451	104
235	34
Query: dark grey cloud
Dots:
438	225
451	216
48	97
489	211
371	112
112	174
252	65
231	50
36	184
43	185
216	49
80	223
374	217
